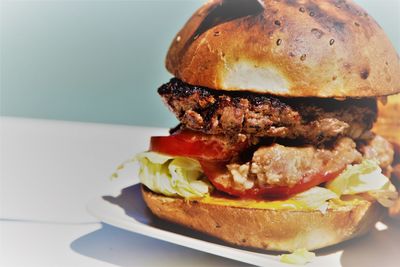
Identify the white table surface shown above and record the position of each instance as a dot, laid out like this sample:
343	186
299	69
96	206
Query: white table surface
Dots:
49	170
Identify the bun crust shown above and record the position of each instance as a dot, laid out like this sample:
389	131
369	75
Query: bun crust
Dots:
282	230
288	48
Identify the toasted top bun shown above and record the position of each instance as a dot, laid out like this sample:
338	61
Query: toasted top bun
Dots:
287	48
276	230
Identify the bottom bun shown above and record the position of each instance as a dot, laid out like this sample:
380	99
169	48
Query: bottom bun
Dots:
275	230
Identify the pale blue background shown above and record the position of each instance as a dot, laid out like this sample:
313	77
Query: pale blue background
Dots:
102	61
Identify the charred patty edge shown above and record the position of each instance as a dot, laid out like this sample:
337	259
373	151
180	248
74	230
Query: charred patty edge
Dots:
264	115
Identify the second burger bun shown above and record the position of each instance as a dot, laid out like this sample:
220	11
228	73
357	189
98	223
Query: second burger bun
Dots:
275	230
388	123
388	126
286	48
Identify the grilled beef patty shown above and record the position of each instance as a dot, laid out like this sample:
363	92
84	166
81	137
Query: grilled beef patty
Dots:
315	120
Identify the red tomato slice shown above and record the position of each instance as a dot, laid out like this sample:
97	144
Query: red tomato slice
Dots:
214	170
214	152
197	145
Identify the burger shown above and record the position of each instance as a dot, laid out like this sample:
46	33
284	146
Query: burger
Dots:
276	102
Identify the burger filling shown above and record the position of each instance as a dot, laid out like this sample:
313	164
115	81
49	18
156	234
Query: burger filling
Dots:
286	166
278	165
251	146
311	119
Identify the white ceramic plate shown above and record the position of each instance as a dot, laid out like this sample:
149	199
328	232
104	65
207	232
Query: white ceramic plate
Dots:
128	211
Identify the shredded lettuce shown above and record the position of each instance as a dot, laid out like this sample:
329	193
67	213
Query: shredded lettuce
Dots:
180	176
172	176
365	177
315	198
298	257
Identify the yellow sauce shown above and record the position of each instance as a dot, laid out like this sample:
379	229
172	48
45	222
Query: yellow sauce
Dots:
289	204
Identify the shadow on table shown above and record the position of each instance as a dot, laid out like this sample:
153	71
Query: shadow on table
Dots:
111	244
379	248
125	248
